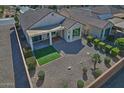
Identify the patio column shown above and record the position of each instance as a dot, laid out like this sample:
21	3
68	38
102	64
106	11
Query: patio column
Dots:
31	43
50	38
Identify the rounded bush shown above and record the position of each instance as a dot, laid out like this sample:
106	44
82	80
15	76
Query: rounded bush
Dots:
90	38
41	75
80	83
108	48
97	72
107	60
96	42
120	43
101	45
115	52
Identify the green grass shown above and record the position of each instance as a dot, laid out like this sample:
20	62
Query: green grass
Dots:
46	55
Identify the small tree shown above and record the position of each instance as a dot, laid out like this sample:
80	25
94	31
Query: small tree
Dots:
96	59
41	75
80	83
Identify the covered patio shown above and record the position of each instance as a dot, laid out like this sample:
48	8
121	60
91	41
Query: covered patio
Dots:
41	41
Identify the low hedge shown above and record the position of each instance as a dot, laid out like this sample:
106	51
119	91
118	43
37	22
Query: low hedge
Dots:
96	42
31	63
101	45
90	38
108	48
115	51
80	83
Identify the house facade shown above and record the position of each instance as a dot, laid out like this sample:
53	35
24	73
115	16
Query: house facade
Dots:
90	25
50	26
45	24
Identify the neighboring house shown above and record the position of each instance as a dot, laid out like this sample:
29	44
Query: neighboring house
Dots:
90	25
23	9
119	15
6	62
102	12
44	24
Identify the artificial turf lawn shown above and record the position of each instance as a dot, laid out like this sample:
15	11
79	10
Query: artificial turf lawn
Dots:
46	55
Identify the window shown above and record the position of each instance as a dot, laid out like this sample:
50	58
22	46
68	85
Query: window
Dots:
36	38
101	33
76	32
107	31
53	33
68	36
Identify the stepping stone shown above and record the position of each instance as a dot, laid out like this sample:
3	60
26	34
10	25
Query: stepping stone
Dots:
69	68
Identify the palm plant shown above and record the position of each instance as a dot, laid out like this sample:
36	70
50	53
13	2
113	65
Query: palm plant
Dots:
96	59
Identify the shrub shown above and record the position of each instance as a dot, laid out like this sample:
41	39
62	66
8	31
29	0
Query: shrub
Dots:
84	69
101	45
41	75
31	63
80	83
110	38
115	52
27	52
96	42
108	48
65	85
120	43
97	72
107	60
89	38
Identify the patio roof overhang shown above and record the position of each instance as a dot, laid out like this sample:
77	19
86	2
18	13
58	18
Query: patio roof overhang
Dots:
32	33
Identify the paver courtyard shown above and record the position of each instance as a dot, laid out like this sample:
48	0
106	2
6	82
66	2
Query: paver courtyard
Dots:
57	71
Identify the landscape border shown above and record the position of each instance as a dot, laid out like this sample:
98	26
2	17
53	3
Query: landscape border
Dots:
24	61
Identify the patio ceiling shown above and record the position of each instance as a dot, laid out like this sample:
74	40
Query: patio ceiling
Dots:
40	32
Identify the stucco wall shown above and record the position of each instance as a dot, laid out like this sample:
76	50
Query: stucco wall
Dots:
69	32
50	19
96	32
106	75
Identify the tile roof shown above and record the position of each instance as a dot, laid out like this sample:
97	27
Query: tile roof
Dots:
67	23
80	17
30	17
6	62
101	9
